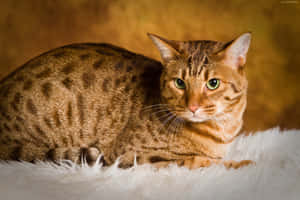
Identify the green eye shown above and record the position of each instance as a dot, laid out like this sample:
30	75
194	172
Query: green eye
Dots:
213	84
179	83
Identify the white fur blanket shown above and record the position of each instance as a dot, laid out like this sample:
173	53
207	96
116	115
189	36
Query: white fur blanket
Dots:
275	176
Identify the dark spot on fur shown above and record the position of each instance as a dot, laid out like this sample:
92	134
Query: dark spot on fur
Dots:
88	79
31	107
16	101
20	78
20	119
108	111
28	85
206	75
127	54
70	113
48	122
155	159
60	54
68	68
51	155
66	141
98	118
81	135
81	108
16	153
56	119
17	127
104	52
127	88
143	140
44	74
67	82
105	84
133	97
227	98
123	79
119	65
39	130
133	79
6	127
98	63
115	101
149	128
205	62
3	112
183	74
84	56
117	83
47	89
164	83
129	68
5	90
35	63
235	89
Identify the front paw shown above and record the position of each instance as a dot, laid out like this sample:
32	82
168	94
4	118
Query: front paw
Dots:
197	162
78	155
238	164
90	155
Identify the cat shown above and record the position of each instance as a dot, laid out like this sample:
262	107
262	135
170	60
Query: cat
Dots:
86	100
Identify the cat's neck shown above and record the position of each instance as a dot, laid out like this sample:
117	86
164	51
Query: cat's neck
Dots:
223	131
211	137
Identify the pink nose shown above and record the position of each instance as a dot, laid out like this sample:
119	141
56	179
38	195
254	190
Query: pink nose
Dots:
193	108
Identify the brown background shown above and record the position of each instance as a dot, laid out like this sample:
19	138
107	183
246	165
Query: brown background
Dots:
30	27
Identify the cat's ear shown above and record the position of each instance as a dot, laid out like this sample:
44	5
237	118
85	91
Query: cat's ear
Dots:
168	48
235	52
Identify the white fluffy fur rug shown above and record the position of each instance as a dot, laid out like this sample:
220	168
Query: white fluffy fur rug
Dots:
275	176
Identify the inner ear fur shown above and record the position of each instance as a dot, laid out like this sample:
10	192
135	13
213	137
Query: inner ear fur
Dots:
169	49
234	53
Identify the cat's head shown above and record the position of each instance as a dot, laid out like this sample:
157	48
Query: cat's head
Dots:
203	80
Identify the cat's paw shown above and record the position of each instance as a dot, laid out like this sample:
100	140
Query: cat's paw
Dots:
90	155
197	162
238	164
78	155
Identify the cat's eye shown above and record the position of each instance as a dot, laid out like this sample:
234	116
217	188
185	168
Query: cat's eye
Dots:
213	84
179	83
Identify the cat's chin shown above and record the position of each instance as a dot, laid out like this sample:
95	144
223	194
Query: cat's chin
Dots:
197	120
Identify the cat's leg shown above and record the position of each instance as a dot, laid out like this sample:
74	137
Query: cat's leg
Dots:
197	162
75	154
237	164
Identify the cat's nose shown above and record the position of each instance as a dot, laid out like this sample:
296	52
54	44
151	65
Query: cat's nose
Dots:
193	108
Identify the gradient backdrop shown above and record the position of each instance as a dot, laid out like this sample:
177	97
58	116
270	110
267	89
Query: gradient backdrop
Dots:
30	27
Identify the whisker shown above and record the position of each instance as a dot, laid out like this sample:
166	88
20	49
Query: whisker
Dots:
165	115
166	121
155	105
170	128
159	111
178	122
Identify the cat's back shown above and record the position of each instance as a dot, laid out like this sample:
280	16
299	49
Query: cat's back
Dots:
68	91
76	68
75	58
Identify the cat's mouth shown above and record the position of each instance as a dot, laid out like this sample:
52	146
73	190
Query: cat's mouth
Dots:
195	117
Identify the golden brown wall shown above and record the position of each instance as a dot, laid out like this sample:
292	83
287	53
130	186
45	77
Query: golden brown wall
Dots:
30	27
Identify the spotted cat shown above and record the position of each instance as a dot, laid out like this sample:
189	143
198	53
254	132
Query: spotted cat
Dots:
85	100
